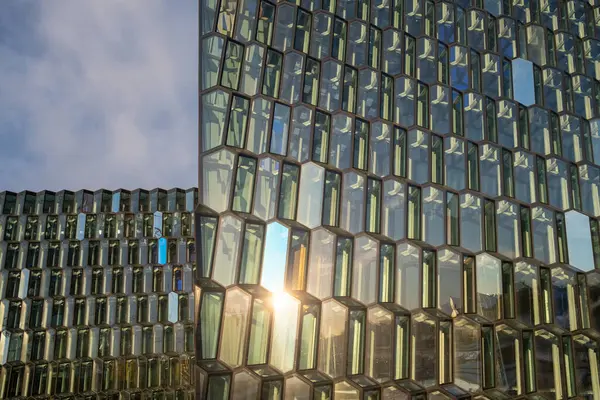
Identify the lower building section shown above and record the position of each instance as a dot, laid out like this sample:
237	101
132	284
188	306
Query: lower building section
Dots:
96	295
284	312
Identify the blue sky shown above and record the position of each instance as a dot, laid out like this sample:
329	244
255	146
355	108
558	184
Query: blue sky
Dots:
98	94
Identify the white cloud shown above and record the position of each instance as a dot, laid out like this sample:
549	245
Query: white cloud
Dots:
107	100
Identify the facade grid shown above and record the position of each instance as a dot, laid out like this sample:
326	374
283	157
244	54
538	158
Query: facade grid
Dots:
96	295
399	199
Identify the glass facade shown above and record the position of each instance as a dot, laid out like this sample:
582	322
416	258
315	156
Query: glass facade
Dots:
398	199
96	295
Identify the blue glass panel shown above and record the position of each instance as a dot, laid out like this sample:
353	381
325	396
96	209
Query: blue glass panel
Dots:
162	250
579	241
274	260
522	79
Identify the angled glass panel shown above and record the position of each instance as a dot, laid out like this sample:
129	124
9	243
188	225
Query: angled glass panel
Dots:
527	293
210	322
321	264
332	351
251	254
454	163
258	129
283	339
214	112
300	133
245	385
217	170
449	282
579	242
489	287
468	350
244	185
293	66
548	363
288	192
364	270
522	81
408	279
227	251
265	196
423	339
380	149
235	320
212	49
352	214
258	338
418	155
329	94
231	65
252	69
393	224
340	148
275	256
279	129
312	180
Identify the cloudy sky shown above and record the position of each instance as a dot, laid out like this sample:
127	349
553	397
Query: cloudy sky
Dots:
98	94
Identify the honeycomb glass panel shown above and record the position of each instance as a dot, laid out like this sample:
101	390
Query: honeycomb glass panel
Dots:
312	181
214	106
321	264
332	343
408	276
235	320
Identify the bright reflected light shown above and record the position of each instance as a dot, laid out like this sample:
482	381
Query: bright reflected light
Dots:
282	301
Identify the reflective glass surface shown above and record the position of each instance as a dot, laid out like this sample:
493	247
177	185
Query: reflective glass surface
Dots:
414	183
97	295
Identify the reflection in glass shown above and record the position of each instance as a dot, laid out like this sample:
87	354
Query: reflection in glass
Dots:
214	112
352	214
320	265
364	270
407	276
227	251
275	256
279	130
288	192
340	147
332	339
258	127
433	216
310	204
522	81
423	343
331	198
259	333
244	184
489	287
251	254
449	281
245	385
266	184
285	324
251	70
547	363
579	241
235	319
418	156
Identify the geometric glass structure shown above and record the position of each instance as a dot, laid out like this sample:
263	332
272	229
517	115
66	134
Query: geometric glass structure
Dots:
96	294
398	199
